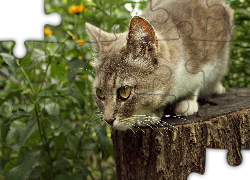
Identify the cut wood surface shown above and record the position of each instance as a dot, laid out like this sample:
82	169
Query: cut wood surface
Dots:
178	147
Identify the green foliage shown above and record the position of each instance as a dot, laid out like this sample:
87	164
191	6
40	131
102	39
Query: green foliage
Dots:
50	125
239	66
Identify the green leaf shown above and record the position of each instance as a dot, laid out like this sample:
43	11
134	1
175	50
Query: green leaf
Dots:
1	61
4	174
59	69
73	140
89	149
14	94
65	128
8	44
102	138
62	177
60	141
30	159
61	164
55	120
74	67
10	96
31	127
25	61
21	109
38	55
75	93
34	139
9	59
72	176
5	128
83	168
45	94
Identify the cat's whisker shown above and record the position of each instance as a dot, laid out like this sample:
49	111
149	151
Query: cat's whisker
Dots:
159	132
173	127
151	127
157	129
99	115
98	118
168	129
132	130
90	72
141	129
167	115
170	125
165	130
160	124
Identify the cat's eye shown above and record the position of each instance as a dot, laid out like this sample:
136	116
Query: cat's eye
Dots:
124	92
100	94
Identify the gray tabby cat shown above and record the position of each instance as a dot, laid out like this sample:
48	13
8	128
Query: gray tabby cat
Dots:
177	50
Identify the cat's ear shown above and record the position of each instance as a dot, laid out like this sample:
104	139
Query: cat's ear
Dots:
141	36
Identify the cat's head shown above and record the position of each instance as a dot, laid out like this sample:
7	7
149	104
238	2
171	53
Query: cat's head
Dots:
125	67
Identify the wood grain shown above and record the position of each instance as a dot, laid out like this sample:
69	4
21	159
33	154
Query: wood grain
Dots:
177	148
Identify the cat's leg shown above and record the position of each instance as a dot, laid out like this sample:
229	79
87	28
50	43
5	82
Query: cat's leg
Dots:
188	106
219	89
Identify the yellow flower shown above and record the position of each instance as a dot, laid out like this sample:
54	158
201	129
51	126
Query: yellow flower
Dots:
80	57
77	9
81	42
47	31
66	67
86	76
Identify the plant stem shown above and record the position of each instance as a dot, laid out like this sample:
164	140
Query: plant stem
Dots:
50	59
39	125
43	137
30	84
77	151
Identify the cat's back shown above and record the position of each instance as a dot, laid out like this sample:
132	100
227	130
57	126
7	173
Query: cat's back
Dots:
168	15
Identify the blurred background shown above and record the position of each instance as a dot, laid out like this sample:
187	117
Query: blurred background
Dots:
51	127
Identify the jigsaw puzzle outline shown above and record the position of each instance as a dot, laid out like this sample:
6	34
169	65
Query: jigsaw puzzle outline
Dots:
156	79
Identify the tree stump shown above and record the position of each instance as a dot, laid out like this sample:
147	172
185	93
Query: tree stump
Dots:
177	148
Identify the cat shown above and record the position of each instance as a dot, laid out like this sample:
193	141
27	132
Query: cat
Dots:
175	52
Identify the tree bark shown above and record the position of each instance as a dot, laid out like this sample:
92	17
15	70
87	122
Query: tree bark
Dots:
177	148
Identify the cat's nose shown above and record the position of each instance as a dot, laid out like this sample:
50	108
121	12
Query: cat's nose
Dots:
110	121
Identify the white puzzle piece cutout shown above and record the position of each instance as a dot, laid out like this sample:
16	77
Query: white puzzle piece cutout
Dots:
23	20
217	167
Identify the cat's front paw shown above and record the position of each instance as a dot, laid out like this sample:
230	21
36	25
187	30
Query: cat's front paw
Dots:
219	89
186	107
